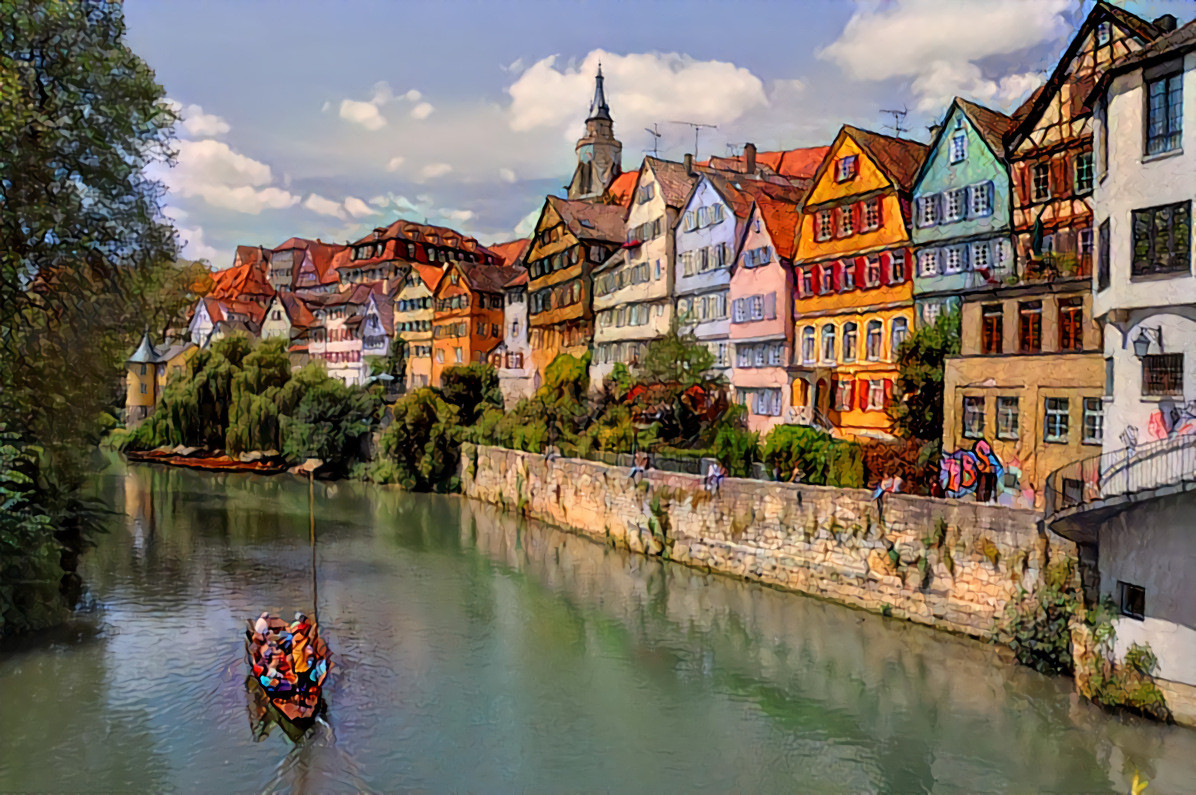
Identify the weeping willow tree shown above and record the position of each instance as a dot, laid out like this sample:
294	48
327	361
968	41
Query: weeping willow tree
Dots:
82	248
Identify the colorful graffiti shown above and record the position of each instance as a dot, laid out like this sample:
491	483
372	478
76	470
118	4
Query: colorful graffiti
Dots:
1165	422
980	471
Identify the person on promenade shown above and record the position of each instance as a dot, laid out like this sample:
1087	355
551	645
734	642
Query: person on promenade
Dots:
639	464
714	477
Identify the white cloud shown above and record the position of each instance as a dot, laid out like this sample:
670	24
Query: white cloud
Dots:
318	204
395	162
356	207
364	113
199	124
368	114
942	43
211	170
527	224
457	216
648	86
433	170
507	175
193	246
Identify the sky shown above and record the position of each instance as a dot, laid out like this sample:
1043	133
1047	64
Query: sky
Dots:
326	119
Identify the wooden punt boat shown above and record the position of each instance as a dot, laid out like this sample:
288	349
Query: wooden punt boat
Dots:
296	712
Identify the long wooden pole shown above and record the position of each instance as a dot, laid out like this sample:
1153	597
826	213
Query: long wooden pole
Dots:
311	511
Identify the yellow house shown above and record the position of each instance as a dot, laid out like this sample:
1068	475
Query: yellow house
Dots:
413	320
146	373
853	282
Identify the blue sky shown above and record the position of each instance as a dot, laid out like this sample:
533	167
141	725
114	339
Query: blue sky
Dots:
325	119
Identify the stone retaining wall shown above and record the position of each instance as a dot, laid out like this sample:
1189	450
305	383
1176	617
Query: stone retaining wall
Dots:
951	564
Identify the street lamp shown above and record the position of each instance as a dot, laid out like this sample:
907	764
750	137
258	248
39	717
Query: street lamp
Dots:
1142	341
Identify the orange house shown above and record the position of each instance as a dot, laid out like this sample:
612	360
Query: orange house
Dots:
467	315
853	281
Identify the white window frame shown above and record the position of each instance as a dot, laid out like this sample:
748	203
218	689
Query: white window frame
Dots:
959	146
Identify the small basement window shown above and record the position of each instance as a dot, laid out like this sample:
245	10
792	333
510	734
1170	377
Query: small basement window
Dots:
1132	600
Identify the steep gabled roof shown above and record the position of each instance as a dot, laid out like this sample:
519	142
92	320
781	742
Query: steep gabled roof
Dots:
296	309
622	187
241	280
386	313
1031	110
992	125
485	278
590	220
430	274
145	353
674	181
899	158
518	278
511	252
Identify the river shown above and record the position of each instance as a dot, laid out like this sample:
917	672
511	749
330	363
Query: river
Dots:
477	652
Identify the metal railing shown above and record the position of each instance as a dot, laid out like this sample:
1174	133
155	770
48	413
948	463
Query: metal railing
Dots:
1167	462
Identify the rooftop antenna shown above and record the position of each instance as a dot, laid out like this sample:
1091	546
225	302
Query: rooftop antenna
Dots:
655	133
733	150
697	129
898	125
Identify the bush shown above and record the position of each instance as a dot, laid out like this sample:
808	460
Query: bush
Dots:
822	460
915	461
472	389
735	447
1039	626
330	422
422	446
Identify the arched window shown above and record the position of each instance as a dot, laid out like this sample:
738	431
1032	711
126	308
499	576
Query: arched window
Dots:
808	350
828	343
898	335
875	332
850	343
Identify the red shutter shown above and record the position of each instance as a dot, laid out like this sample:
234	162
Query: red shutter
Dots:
836	226
1060	178
1021	180
880	211
888	392
885	261
850	397
861	393
861	266
857	217
836	275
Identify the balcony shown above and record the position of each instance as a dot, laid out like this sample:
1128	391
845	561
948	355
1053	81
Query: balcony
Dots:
1102	485
1060	265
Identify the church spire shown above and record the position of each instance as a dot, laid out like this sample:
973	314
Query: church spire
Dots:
599	108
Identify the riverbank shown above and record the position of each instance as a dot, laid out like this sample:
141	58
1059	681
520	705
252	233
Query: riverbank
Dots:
949	564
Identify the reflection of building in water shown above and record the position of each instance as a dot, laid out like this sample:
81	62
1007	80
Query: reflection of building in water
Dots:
139	509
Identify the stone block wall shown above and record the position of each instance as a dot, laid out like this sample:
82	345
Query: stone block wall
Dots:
951	564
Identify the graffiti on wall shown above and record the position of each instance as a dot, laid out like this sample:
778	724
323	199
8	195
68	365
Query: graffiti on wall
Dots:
1165	422
981	472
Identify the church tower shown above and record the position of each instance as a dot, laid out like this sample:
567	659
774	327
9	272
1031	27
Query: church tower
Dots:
599	153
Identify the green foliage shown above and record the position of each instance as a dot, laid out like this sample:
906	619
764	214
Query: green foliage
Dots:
1141	658
393	364
471	388
734	446
822	459
330	422
1039	624
676	359
420	449
917	413
86	264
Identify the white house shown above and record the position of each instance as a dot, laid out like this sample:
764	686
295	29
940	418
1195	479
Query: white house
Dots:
517	376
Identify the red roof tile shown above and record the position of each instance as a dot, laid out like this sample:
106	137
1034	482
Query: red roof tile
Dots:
899	158
621	187
511	252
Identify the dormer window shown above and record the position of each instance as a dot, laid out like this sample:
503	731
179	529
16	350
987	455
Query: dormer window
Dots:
845	168
1104	32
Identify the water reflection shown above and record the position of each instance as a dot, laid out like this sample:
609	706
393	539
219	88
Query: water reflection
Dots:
475	652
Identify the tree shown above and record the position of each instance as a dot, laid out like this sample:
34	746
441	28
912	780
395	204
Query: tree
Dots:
471	388
330	423
420	449
676	359
81	116
393	364
918	411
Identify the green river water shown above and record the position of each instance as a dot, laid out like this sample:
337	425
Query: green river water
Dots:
476	652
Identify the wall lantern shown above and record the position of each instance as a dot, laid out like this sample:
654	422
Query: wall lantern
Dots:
1142	341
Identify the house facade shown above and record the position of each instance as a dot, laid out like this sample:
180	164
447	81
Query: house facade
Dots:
467	315
517	378
853	302
571	238
760	298
1024	395
337	338
962	211
636	290
707	232
1049	150
413	314
146	374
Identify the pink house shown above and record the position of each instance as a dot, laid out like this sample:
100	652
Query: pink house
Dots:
761	307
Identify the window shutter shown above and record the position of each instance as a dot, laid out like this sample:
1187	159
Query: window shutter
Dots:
857	217
880	211
836	275
885	263
770	306
849	396
988	191
888	392
835	225
1060	176
861	393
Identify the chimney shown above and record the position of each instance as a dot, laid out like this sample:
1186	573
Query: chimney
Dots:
749	158
1165	23
934	130
689	164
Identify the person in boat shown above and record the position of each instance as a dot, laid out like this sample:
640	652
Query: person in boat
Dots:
262	625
